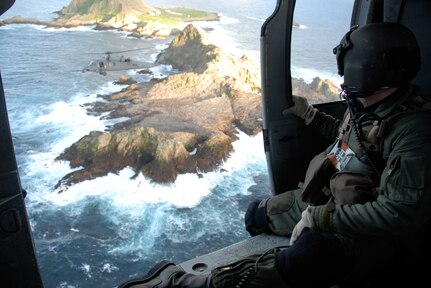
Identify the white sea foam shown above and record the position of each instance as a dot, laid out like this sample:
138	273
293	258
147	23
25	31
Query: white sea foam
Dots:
161	71
13	26
122	191
258	19
161	46
219	36
227	20
67	122
73	116
109	268
140	205
65	285
71	29
86	268
112	122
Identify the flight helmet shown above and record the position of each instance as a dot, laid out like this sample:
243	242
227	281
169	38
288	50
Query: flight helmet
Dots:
377	56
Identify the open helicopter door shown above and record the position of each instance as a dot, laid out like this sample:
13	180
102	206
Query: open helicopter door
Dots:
289	145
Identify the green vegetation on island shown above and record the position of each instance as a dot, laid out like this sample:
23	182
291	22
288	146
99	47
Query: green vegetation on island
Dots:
179	14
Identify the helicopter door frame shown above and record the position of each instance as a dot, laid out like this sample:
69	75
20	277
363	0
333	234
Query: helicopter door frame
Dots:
276	79
289	145
18	263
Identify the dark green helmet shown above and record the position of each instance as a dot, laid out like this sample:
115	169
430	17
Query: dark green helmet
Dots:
376	56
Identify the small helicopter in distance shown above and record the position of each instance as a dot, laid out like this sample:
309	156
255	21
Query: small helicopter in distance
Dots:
113	62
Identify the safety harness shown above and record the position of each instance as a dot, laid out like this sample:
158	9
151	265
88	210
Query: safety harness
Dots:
371	144
326	176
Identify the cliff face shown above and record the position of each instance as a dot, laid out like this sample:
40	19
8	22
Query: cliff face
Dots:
190	52
317	91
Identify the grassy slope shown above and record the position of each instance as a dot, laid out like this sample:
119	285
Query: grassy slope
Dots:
180	14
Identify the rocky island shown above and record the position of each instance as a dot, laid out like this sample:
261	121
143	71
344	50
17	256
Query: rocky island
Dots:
134	16
185	123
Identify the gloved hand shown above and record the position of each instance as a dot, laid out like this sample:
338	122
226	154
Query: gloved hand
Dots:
255	218
306	221
302	109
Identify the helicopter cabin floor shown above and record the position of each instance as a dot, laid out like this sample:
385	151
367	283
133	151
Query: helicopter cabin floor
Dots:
205	263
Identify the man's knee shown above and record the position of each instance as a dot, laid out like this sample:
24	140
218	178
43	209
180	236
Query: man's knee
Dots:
313	259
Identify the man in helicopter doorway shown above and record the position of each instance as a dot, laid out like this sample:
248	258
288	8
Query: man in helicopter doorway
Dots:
365	200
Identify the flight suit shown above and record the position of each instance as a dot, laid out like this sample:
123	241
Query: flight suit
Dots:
377	231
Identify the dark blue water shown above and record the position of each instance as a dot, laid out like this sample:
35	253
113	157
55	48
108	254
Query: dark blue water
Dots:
100	233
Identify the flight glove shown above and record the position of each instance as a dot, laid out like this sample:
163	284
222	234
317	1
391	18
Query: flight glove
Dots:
255	219
302	109
306	221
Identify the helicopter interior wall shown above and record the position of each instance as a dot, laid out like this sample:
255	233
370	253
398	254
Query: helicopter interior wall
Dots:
276	96
415	15
367	11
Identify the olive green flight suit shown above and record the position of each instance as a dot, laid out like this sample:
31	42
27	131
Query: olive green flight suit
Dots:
402	203
405	183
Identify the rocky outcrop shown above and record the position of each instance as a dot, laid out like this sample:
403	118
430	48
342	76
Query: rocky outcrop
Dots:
124	80
240	74
22	20
185	123
317	91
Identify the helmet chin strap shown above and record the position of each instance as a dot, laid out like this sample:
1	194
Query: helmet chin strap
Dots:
356	106
352	101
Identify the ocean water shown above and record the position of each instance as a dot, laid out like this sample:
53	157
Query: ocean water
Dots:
103	232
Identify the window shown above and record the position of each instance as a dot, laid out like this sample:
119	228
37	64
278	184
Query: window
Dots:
100	232
319	27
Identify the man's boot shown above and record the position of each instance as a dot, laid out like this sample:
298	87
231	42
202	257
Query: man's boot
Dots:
258	270
166	274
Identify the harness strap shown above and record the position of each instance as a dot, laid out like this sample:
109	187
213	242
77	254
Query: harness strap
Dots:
344	128
373	140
